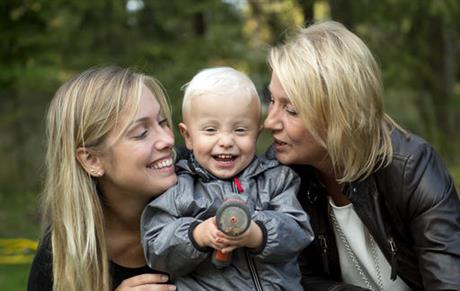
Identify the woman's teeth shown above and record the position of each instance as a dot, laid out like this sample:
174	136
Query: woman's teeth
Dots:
279	142
162	164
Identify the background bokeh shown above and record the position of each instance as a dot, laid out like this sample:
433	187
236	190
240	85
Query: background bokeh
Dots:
45	42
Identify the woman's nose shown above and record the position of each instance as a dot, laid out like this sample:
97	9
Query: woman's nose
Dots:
272	122
164	138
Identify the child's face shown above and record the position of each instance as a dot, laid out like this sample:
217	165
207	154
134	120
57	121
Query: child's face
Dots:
222	132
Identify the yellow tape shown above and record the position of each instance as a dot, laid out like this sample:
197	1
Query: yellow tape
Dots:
17	250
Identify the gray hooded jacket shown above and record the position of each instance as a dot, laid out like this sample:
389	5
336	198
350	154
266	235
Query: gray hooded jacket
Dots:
168	221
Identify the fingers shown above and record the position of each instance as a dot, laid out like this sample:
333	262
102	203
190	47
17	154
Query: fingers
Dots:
154	287
146	279
146	282
228	249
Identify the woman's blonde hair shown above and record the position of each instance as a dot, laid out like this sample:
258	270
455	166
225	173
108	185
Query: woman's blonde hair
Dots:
83	111
334	82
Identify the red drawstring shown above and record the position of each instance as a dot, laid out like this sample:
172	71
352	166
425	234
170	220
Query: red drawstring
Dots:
238	185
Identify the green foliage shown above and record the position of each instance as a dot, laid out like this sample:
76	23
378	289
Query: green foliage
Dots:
19	216
417	44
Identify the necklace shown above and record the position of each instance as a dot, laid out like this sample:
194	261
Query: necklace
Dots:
352	255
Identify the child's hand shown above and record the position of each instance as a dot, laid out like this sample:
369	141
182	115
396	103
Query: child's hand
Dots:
206	234
251	238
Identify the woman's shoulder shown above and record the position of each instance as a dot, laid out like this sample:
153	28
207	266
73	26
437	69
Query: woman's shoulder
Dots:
408	146
416	174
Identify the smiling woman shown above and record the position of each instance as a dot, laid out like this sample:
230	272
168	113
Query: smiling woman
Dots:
109	153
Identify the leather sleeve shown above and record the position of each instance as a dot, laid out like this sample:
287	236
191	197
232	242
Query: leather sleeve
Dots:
433	210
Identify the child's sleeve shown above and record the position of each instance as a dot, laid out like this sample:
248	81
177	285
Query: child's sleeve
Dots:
166	224
285	224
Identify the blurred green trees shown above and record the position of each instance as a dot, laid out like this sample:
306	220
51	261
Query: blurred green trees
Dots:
43	43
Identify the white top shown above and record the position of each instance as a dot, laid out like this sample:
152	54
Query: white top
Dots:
375	268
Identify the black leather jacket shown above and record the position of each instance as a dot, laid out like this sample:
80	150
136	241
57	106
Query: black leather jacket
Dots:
410	207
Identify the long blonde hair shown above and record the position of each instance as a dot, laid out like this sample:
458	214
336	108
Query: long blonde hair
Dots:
83	111
334	82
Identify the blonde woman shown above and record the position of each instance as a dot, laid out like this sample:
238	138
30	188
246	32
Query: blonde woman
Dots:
109	153
383	207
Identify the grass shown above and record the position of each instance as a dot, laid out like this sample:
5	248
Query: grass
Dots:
18	219
14	277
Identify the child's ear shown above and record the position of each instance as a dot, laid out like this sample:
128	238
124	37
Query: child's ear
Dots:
90	162
186	135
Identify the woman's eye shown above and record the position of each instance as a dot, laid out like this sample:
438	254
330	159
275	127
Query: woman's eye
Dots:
290	110
163	122
142	135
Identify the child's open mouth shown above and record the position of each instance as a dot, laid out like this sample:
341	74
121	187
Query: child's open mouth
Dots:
224	158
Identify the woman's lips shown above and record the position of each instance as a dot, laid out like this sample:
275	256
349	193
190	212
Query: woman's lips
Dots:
280	145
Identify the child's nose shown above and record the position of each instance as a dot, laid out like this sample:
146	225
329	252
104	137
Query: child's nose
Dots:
226	140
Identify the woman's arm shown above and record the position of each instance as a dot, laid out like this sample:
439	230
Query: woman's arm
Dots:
433	215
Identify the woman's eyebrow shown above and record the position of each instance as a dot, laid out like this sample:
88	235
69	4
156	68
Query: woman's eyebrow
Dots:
139	120
135	123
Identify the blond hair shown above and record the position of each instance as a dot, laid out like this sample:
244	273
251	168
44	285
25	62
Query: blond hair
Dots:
219	81
334	82
83	111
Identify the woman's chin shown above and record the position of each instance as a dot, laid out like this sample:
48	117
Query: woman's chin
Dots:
283	158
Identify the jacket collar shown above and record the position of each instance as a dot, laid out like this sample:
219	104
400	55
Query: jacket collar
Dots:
191	166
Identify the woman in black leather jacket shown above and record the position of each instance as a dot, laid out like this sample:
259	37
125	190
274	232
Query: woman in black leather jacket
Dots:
384	209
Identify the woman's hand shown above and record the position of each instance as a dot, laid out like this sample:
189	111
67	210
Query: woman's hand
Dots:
146	282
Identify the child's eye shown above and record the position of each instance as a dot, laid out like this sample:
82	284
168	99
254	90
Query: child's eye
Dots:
210	129
240	130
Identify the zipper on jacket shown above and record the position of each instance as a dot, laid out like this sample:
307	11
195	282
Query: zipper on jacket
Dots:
393	251
323	245
253	271
237	187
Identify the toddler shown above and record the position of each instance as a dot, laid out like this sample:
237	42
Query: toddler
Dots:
221	121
